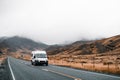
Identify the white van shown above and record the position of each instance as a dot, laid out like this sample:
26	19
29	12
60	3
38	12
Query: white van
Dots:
39	57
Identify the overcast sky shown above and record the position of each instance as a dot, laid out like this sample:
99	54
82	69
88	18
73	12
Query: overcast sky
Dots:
59	21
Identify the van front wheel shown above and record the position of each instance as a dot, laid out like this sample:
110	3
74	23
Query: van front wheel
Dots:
31	63
34	64
46	64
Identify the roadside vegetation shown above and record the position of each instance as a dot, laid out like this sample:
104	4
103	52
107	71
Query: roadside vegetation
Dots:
99	63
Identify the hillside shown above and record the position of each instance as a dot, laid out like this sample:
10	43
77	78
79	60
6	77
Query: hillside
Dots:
56	49
12	44
99	55
88	47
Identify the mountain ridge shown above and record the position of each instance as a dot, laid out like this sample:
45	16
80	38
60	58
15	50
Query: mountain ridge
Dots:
88	47
14	43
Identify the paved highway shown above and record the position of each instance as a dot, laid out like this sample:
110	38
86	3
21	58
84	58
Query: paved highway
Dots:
23	70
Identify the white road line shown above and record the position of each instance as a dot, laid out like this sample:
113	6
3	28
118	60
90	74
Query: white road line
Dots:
45	69
13	77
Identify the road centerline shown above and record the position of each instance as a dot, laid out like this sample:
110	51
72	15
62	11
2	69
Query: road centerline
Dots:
63	74
45	69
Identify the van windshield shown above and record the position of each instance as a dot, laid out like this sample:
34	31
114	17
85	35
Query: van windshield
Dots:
41	55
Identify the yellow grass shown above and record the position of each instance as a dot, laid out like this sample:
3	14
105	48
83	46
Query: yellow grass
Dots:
88	66
2	57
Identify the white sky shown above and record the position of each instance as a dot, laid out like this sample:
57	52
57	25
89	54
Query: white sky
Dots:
58	21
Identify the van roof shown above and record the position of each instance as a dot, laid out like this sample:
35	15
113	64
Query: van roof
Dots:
36	52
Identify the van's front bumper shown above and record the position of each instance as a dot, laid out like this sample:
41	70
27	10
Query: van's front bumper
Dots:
41	62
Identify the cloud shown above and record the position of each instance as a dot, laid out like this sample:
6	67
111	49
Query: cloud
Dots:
57	21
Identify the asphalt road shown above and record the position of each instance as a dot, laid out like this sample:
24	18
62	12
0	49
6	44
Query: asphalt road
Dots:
23	70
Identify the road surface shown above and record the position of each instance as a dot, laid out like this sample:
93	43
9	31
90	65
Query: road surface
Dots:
23	70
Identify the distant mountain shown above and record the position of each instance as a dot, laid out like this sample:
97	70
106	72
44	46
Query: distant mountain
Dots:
16	42
56	49
88	47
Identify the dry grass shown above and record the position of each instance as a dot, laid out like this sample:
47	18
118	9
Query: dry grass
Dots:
105	64
21	56
2	57
88	66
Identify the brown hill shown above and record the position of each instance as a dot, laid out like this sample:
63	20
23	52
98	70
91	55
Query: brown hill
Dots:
99	55
88	47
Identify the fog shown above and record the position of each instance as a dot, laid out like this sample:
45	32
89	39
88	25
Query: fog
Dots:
60	21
